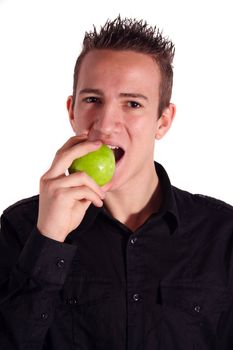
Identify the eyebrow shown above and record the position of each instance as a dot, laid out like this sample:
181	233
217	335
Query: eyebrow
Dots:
91	91
126	94
122	94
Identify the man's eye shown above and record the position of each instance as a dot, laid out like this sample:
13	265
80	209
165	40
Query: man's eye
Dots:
134	104
92	99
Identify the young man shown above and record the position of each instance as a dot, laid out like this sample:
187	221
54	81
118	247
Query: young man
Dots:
136	264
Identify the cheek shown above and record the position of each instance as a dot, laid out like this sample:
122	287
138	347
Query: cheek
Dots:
144	127
82	121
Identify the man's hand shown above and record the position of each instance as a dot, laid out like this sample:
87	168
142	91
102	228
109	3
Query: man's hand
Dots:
64	199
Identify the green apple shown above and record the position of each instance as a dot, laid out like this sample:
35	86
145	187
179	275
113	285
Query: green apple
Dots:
100	165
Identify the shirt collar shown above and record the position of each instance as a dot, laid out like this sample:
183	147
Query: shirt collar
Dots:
168	209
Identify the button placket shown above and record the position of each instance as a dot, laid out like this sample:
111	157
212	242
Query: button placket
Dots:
135	276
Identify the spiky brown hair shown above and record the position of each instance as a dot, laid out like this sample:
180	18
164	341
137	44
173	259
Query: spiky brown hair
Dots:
138	36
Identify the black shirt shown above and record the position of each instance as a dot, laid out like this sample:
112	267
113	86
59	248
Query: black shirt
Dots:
168	285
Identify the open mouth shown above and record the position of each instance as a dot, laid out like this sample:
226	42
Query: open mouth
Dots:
118	152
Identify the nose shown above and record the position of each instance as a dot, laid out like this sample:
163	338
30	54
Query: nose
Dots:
108	121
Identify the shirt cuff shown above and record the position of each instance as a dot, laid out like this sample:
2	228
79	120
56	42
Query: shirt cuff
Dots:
46	259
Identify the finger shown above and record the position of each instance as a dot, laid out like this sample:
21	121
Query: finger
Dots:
73	141
75	180
81	194
65	157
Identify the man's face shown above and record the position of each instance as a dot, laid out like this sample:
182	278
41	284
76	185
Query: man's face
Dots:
117	101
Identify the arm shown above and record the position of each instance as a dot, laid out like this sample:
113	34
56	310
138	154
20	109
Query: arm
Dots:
34	258
30	281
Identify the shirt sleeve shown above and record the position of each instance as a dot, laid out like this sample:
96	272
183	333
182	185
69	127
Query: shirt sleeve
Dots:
31	278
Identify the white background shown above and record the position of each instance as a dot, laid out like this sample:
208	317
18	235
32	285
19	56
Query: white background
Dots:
39	43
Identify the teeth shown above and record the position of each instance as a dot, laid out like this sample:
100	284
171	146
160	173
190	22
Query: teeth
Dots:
113	147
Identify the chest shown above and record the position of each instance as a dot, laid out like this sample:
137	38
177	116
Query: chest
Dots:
153	287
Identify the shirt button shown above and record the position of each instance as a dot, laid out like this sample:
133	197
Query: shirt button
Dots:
133	240
72	301
60	263
136	297
44	316
197	308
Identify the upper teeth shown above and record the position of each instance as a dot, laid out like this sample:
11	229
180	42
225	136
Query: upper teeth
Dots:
112	147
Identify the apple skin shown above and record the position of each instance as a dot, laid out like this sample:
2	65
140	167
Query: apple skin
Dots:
100	165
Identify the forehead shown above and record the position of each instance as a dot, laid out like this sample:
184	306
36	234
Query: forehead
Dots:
118	68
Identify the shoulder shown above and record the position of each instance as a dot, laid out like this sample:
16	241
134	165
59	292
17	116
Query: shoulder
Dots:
213	203
23	205
21	216
200	207
191	200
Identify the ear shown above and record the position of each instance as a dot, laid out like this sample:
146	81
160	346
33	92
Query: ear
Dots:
165	121
69	106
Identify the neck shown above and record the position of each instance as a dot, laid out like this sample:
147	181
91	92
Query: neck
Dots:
134	204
